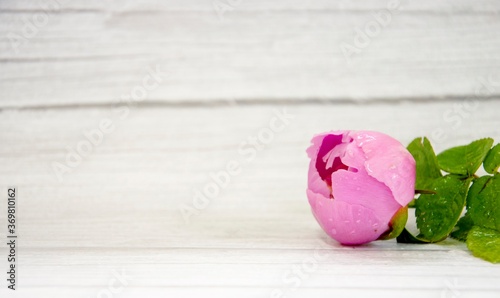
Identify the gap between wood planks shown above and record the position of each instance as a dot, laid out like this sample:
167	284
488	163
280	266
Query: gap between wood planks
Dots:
258	102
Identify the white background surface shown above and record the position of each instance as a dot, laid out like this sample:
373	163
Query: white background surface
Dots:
223	80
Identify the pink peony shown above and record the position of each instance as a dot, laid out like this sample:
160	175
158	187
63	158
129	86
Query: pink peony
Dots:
359	186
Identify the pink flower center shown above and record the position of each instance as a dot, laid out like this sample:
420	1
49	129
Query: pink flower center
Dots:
326	166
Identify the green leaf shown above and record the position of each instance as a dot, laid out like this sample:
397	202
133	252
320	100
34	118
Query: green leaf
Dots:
465	160
407	237
492	161
462	228
426	160
477	186
483	202
438	213
484	243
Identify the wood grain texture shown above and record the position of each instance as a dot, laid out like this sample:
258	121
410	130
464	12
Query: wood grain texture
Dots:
93	52
118	211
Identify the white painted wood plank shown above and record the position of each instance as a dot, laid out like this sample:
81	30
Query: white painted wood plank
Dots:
282	50
119	209
327	273
246	292
439	6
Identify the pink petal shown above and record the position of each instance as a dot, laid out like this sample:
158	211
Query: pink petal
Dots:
355	224
388	161
322	209
362	190
346	223
316	141
315	183
324	153
354	157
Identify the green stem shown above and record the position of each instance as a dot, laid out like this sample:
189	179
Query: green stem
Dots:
425	192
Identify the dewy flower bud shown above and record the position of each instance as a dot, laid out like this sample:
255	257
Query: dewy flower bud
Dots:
359	186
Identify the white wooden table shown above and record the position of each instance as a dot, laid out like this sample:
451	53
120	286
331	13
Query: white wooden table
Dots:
111	226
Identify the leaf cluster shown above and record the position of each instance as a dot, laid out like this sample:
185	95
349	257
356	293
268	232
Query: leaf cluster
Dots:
448	183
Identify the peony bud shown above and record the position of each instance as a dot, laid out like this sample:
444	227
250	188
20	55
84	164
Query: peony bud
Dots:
359	186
